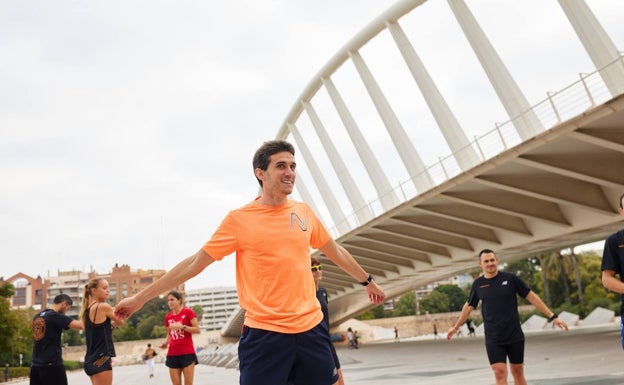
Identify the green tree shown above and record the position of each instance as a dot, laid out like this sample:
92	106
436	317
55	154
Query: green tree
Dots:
159	331
577	276
564	270
589	266
126	332
153	306
406	305
72	337
7	290
145	328
571	281
199	312
435	302
544	263
455	295
16	334
527	269
374	313
8	330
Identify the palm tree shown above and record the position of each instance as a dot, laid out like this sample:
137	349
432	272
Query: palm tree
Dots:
563	269
543	263
577	276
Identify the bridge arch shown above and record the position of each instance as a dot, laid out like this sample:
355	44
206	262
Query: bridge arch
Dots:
534	183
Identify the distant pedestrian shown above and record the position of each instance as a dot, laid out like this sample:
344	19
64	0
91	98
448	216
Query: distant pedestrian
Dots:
149	356
351	338
471	329
435	331
6	372
504	339
396	334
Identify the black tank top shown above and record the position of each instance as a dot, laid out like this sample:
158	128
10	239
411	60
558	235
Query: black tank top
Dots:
99	337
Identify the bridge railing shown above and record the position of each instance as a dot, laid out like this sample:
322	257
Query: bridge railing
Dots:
587	92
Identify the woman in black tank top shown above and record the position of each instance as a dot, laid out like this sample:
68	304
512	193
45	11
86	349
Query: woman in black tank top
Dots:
99	318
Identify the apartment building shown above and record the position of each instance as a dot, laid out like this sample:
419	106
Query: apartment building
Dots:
218	304
29	291
124	282
39	293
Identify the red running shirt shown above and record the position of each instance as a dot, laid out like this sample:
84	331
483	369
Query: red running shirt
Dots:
180	341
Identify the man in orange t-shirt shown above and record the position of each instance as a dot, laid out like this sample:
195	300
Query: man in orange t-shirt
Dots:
283	340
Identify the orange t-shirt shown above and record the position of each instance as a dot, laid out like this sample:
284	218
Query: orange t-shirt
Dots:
273	279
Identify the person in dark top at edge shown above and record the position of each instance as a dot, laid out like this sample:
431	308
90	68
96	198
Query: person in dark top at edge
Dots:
613	266
321	295
47	355
504	339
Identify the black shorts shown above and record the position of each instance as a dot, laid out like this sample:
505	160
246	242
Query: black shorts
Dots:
499	353
43	375
272	358
334	354
181	362
102	364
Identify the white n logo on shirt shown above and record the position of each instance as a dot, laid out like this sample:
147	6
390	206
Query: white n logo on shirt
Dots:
303	225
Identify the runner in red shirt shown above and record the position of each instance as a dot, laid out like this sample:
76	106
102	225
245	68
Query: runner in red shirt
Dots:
180	322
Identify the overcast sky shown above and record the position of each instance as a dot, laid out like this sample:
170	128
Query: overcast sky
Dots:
127	127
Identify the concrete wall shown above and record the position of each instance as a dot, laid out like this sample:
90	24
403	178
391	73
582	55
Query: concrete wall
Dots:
129	352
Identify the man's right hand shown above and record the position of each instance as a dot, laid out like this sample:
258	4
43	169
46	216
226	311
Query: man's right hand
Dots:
451	332
126	307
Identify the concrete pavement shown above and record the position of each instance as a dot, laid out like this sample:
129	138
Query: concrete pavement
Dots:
580	356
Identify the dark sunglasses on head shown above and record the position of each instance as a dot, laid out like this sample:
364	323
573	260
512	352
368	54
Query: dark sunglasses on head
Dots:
316	268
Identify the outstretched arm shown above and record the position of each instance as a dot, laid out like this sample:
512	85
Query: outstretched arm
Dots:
182	272
343	259
109	312
541	306
463	316
611	282
76	325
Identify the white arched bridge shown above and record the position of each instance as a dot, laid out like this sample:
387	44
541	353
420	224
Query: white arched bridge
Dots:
548	178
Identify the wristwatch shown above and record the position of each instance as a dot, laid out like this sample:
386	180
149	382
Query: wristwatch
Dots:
552	317
184	327
368	280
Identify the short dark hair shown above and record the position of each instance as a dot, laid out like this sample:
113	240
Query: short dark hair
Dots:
486	251
63	298
263	154
314	261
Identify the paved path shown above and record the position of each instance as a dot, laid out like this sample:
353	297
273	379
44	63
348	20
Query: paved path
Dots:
581	356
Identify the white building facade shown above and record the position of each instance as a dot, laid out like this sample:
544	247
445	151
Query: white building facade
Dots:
218	304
